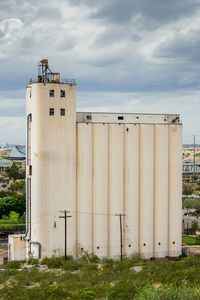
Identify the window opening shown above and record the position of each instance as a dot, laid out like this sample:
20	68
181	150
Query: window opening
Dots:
51	93
30	170
62	112
89	117
62	93
51	111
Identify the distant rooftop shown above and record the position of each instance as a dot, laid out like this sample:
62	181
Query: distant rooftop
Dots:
18	153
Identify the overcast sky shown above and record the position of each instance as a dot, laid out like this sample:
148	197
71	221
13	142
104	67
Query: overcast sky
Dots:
126	55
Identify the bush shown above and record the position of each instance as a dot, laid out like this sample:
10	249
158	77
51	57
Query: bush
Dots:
56	262
86	294
168	293
14	264
33	261
90	257
53	262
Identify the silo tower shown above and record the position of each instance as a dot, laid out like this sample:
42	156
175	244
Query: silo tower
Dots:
51	161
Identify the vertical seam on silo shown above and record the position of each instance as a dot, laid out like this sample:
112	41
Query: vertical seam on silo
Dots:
48	164
76	193
124	219
167	190
92	189
139	182
169	153
108	201
154	186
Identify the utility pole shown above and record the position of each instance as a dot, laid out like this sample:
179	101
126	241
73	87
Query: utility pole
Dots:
65	218
120	231
194	148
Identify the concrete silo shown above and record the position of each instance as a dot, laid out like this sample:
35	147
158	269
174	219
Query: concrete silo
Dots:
97	166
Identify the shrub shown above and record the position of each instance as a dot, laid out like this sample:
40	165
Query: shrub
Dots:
86	294
168	293
53	262
33	261
14	264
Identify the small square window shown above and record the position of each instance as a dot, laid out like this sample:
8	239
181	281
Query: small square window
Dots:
120	118
62	93
89	117
62	112
51	111
51	93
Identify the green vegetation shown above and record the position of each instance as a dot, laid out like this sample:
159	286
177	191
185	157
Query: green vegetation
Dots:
4	154
191	188
11	224
107	279
188	189
191	203
15	172
12	203
12	207
189	240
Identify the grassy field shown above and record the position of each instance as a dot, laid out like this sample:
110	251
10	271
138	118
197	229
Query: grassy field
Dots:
78	279
189	240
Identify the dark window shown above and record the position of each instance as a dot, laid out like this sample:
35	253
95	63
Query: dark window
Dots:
62	112
89	117
30	94
30	170
51	93
30	118
62	93
51	111
120	118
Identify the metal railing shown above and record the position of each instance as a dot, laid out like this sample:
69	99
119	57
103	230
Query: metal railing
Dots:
62	81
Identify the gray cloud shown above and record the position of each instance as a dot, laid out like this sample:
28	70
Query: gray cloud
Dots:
139	54
159	12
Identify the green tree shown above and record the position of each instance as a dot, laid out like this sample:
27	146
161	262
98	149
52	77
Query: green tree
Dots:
187	189
194	226
18	186
15	172
15	203
13	216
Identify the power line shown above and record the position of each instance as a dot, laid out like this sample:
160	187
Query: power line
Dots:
78	212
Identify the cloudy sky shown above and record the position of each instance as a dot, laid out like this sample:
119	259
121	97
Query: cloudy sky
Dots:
126	55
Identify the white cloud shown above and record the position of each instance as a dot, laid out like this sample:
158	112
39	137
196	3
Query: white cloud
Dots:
12	130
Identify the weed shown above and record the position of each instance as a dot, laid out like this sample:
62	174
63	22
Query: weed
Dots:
14	264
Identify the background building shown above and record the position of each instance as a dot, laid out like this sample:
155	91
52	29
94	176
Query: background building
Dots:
97	166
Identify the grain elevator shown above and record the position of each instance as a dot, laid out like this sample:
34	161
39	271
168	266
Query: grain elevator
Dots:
97	167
